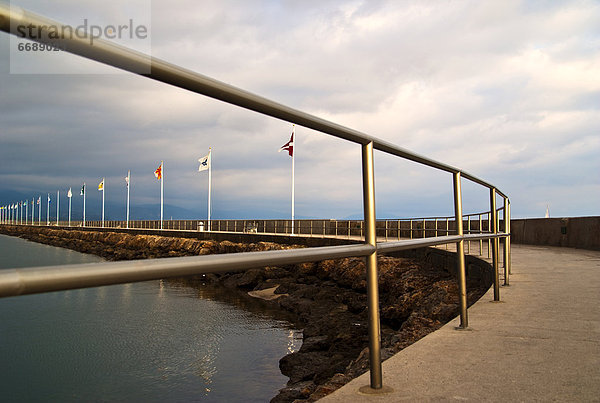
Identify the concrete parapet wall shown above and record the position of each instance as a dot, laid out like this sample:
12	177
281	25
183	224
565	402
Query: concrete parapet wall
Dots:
574	232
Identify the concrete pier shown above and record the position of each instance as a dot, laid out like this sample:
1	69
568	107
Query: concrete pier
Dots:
540	343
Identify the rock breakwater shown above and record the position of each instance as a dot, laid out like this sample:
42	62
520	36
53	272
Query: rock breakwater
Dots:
328	299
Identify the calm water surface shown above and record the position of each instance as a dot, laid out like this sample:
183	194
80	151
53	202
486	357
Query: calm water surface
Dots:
151	341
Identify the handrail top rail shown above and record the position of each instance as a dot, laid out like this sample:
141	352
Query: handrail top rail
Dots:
34	280
138	63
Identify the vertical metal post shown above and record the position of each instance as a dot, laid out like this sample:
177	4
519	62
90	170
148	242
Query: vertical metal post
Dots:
424	224
506	241
509	241
368	178
447	230
386	230
481	240
460	253
411	230
494	230
468	232
489	230
399	226
436	227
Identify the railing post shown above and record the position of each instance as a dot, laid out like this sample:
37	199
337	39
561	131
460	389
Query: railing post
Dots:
480	241
489	240
386	230
368	178
509	239
460	252
506	241
494	230
469	232
447	230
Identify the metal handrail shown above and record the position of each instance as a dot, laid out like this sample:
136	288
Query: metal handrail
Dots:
21	280
54	278
160	70
36	280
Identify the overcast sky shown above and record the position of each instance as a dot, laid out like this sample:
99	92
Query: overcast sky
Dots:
509	91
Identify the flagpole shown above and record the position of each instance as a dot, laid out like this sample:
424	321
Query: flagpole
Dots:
48	212
70	194
84	191
40	210
26	212
128	184
162	182
33	211
209	183
293	171
103	186
57	205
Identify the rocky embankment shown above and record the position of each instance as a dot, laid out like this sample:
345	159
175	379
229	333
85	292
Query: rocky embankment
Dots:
327	298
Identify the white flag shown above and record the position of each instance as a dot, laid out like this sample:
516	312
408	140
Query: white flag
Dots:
69	193
204	163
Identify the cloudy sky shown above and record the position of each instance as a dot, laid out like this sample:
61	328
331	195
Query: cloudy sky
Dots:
509	91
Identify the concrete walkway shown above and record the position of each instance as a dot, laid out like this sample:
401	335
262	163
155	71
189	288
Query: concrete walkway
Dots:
541	343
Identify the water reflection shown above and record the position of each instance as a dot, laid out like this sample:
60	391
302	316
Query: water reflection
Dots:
294	341
152	341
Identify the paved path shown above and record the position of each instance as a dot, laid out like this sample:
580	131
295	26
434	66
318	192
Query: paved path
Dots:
541	343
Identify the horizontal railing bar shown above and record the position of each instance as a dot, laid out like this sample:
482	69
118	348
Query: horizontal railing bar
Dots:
139	63
427	218
55	278
395	246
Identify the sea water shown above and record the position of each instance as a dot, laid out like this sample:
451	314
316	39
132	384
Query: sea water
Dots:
150	341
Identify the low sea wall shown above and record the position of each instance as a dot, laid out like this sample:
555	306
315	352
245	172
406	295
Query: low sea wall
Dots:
573	232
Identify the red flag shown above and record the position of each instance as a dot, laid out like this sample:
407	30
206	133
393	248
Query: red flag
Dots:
158	172
289	146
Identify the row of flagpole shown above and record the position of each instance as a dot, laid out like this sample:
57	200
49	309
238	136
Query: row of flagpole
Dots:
10	213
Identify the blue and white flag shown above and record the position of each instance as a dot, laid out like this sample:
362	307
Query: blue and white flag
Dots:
204	163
